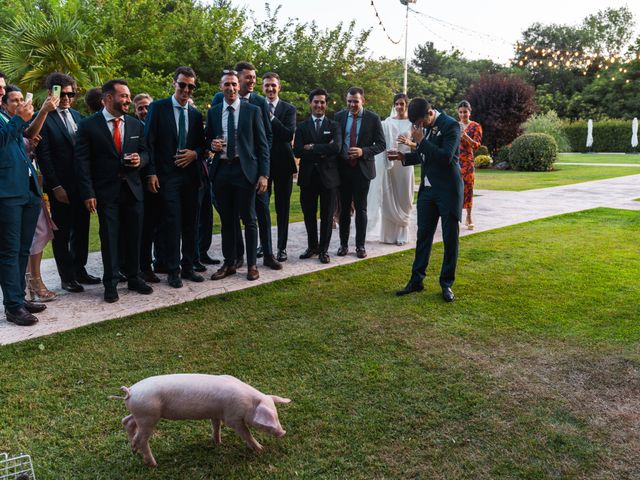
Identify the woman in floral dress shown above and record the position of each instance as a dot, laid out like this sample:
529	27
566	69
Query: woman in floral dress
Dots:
470	140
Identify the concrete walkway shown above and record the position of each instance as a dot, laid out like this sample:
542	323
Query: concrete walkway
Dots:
636	165
492	209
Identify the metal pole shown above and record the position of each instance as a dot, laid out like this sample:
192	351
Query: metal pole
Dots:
406	49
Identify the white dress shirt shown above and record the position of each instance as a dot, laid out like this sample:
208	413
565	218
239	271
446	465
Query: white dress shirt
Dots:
176	115
109	118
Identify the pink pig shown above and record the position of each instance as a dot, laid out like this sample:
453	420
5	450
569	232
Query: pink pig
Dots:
195	397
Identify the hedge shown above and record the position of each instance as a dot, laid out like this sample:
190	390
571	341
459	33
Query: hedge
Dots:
533	152
608	136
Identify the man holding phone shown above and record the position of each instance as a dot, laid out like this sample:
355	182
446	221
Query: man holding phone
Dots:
175	137
57	164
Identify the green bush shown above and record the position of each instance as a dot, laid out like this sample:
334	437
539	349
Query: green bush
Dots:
482	161
503	154
608	136
533	152
550	124
482	150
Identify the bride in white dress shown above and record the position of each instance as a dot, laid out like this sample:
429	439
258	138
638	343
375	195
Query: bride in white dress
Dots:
390	198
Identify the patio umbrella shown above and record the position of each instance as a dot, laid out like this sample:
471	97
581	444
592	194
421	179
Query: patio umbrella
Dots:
634	133
589	133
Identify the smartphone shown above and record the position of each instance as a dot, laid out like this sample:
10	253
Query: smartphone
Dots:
55	90
29	97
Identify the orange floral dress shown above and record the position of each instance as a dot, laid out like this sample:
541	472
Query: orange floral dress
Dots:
474	131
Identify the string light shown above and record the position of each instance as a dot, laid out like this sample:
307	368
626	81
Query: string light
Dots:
382	25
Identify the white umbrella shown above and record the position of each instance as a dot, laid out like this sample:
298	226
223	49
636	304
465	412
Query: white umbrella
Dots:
589	133
634	133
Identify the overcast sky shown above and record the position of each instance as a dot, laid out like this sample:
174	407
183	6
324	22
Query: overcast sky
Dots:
485	29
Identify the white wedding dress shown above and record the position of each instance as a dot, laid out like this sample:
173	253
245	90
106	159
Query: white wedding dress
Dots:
390	198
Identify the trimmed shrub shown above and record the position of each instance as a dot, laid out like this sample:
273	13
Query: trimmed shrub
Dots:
550	124
608	136
533	152
482	161
482	150
503	154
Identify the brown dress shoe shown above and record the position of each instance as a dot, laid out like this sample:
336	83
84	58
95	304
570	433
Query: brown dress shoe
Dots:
252	273
272	263
224	271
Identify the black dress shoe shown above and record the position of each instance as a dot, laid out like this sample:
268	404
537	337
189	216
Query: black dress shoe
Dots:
324	257
410	288
199	267
448	295
150	277
87	279
308	253
260	252
111	295
224	271
239	263
33	307
121	277
72	286
207	260
272	263
138	285
191	275
343	250
174	280
282	255
361	252
21	317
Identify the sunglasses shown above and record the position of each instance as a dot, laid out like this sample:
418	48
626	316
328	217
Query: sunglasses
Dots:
229	72
188	86
67	94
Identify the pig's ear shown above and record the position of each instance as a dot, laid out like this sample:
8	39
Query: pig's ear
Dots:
277	399
264	417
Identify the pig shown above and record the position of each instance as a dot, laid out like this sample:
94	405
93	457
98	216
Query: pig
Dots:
220	398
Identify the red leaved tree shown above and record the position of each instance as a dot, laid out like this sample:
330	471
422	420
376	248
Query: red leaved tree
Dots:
501	104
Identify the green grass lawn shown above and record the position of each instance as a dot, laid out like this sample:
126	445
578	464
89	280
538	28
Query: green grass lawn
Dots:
598	158
532	373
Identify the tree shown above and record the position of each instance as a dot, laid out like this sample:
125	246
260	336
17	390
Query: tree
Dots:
501	104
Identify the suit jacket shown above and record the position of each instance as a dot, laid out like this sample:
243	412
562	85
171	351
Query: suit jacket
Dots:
251	146
161	133
283	124
325	154
439	156
370	140
260	102
14	161
55	153
98	163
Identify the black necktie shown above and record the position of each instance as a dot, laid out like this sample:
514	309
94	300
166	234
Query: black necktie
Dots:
182	130
231	134
67	124
318	125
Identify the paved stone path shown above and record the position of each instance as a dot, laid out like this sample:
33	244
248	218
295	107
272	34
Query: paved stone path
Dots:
492	209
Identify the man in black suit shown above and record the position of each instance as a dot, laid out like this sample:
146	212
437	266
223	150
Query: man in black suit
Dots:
282	161
110	150
441	191
363	139
57	164
318	143
240	168
175	135
247	81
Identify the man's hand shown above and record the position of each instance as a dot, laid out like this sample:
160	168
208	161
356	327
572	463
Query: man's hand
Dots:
417	134
33	142
395	156
90	204
217	144
60	195
50	104
355	152
25	111
308	146
185	158
133	160
261	187
153	184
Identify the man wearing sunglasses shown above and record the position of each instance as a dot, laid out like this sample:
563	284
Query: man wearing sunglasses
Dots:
175	136
55	154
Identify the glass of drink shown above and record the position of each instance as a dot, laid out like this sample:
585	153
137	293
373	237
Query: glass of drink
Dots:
128	159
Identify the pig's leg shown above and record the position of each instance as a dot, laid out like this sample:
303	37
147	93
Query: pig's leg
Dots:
131	427
241	429
215	426
141	441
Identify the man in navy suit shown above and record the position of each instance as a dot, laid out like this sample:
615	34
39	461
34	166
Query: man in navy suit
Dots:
55	157
441	191
247	81
362	140
175	135
281	160
239	170
110	150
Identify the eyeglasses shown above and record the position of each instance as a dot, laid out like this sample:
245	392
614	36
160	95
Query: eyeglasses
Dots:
67	94
188	86
229	72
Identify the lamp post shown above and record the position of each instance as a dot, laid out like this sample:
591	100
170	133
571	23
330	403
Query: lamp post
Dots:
406	42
